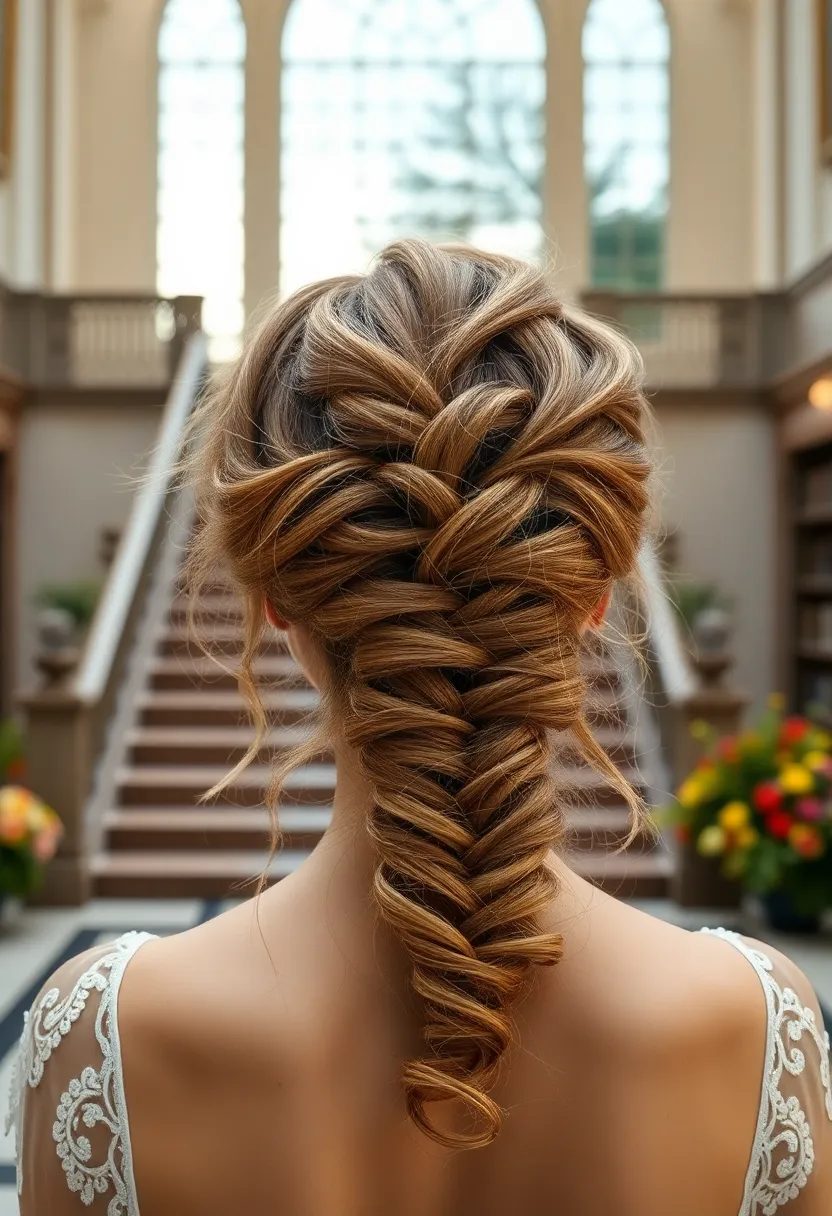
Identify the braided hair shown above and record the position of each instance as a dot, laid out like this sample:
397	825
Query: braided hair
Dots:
441	470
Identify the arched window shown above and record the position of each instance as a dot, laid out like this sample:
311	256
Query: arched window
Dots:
199	244
626	48
404	117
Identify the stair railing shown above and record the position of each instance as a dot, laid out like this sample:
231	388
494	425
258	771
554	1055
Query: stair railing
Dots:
686	686
66	721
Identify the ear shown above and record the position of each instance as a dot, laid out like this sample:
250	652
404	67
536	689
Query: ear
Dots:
274	619
596	618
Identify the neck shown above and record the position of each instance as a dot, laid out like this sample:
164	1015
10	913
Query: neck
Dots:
346	845
345	859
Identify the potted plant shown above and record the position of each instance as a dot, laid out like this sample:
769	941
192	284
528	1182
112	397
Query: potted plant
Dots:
78	600
761	802
29	830
705	612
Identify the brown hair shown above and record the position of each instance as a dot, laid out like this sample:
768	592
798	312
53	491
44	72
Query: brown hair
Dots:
441	470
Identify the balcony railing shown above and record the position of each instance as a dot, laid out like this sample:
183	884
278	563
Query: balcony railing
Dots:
95	340
702	342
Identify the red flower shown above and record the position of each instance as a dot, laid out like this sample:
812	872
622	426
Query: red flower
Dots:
779	824
793	730
16	769
727	750
767	797
682	833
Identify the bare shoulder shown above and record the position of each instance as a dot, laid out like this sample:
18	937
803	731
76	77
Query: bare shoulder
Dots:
177	984
663	984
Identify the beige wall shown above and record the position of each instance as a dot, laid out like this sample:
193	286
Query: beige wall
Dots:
710	232
113	205
717	462
75	466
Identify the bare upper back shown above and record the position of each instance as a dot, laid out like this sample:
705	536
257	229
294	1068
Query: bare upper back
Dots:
262	1058
263	1063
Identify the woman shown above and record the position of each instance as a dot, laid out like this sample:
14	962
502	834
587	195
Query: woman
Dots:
431	479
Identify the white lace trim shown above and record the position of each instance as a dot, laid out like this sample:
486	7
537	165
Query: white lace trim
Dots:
97	1096
782	1125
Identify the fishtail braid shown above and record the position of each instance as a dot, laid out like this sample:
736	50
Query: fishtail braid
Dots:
442	472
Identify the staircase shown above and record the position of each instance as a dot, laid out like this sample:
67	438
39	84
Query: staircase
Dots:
189	728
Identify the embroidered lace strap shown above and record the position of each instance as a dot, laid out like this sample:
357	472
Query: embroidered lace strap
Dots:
69	1063
794	1098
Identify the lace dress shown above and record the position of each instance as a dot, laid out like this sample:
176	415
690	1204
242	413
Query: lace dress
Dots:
70	1047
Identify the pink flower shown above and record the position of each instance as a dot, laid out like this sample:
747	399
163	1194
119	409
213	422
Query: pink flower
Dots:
45	844
809	808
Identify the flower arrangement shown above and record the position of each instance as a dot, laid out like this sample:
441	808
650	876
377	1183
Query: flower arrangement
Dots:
29	835
761	801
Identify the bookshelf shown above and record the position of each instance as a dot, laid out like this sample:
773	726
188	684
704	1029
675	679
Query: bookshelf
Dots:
812	548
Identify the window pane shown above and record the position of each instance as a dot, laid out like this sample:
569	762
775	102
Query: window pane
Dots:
404	117
626	50
200	240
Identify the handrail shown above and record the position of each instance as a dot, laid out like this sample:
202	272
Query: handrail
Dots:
119	592
68	720
678	680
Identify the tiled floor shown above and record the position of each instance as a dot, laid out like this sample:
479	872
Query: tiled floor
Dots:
35	941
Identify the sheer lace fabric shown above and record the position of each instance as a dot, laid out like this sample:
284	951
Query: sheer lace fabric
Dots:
69	1108
67	1102
796	1095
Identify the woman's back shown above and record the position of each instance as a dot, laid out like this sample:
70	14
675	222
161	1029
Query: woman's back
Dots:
262	1053
431	477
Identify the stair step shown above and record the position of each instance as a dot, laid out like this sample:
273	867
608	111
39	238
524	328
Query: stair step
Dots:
618	742
205	744
225	829
220	707
186	873
220	607
582	787
213	706
184	785
215	874
144	828
625	875
188	744
224	638
605	828
220	638
184	672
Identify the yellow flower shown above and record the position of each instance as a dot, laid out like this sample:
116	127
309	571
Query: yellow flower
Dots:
712	841
746	837
690	792
777	702
796	779
815	760
700	729
734	816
